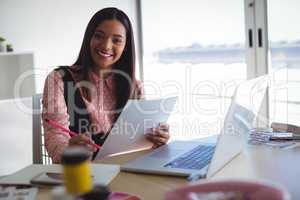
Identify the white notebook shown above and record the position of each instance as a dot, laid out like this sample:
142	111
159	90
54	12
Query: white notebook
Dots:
101	173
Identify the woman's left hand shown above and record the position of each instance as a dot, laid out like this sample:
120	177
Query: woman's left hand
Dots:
159	136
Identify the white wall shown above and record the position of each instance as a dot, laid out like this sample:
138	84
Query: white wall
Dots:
12	66
52	29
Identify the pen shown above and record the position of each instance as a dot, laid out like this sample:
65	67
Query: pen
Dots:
71	133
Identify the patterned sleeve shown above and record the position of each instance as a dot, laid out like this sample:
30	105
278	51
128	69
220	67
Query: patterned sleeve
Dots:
54	108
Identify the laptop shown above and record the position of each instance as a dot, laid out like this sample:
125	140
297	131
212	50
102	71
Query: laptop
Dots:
206	157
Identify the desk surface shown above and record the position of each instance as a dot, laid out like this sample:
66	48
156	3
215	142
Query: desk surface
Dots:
142	185
272	164
275	165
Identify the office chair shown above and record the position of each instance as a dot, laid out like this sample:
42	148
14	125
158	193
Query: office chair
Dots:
40	155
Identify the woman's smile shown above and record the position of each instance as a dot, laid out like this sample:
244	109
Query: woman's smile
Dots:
104	54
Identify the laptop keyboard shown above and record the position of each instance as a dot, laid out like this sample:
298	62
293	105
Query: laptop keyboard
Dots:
197	158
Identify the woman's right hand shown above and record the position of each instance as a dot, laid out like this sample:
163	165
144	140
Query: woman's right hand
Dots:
83	140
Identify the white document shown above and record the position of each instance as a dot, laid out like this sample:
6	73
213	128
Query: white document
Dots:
137	117
12	193
102	173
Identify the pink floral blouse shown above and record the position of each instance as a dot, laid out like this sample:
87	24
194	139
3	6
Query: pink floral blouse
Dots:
103	100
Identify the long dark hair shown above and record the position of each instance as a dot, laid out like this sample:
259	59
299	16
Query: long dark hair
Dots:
125	66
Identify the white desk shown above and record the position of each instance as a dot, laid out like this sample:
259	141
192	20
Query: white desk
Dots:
280	166
259	162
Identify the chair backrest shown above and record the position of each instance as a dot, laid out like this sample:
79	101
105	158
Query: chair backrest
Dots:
40	155
16	134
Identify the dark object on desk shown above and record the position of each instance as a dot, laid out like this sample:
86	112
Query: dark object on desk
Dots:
98	192
46	178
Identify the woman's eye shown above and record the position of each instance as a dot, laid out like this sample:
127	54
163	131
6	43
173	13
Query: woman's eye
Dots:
98	35
117	40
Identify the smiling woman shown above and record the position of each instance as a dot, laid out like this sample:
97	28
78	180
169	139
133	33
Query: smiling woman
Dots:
88	96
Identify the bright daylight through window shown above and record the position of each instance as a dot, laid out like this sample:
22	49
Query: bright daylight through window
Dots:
192	52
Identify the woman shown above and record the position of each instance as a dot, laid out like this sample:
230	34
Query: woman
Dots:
88	96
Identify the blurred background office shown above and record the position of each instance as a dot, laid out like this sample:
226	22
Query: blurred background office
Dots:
197	49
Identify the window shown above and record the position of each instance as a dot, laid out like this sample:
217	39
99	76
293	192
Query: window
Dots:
284	43
194	49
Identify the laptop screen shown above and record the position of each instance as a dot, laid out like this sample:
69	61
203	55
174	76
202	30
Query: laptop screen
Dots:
240	118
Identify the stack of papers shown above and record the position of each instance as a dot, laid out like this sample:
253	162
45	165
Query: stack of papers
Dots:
262	137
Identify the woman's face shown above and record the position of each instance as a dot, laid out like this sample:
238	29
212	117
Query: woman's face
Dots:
107	43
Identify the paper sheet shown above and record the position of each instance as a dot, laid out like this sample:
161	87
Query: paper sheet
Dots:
138	116
12	193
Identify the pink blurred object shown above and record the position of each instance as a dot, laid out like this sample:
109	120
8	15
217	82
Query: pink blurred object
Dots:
250	190
122	196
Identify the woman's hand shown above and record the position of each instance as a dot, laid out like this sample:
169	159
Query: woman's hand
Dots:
159	136
83	140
